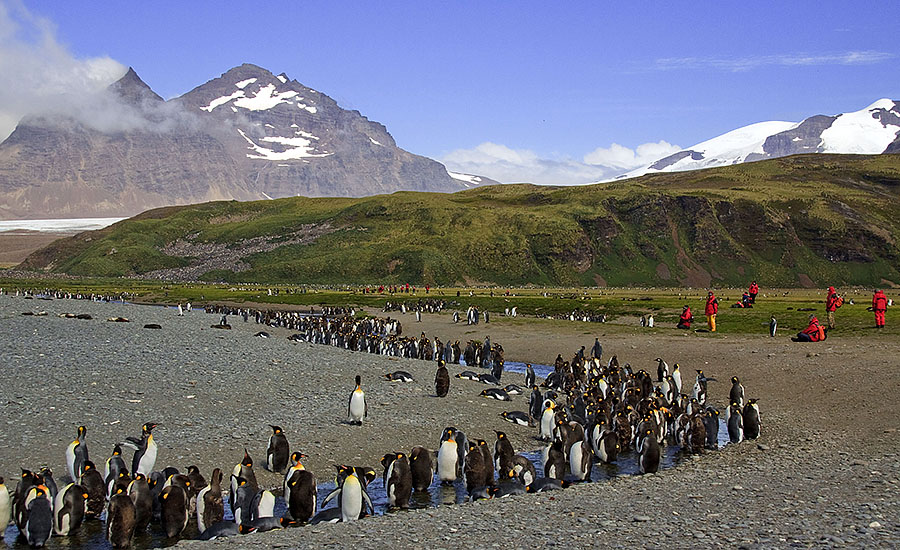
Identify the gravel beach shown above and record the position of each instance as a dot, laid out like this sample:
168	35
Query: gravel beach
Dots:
824	473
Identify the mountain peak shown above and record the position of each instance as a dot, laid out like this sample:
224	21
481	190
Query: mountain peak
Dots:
132	89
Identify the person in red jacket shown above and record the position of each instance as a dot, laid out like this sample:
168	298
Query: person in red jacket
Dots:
754	290
712	308
812	333
686	318
879	306
832	302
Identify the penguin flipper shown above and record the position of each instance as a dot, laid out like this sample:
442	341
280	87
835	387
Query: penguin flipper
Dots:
131	443
368	500
331	495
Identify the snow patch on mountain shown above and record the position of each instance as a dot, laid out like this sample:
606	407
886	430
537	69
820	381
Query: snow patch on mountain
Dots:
861	132
467	179
293	148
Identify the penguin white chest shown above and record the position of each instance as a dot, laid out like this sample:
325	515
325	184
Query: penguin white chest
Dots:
447	457
357	406
351	499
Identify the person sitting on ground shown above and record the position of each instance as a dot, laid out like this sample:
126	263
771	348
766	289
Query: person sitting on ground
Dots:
686	318
813	333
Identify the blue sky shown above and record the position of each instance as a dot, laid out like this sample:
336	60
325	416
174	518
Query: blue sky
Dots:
541	89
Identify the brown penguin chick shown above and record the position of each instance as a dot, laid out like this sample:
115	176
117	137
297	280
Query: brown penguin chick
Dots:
397	479
421	466
139	492
210	506
474	468
442	380
120	519
488	461
92	481
174	503
503	453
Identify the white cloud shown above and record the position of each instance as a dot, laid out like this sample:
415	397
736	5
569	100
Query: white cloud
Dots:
509	165
746	63
39	74
618	156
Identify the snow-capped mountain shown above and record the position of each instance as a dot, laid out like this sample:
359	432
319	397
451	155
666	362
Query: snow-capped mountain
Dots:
245	135
873	130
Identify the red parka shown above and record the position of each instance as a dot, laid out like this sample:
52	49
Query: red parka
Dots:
879	301
815	331
831	301
712	305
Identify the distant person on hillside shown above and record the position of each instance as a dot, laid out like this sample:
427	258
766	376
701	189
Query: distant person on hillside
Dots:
753	291
712	309
832	302
686	318
812	333
879	306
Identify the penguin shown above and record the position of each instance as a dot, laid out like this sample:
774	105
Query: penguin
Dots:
485	492
19	512
442	380
421	467
516	417
264	524
513	389
121	479
535	405
648	453
140	494
210	505
120	519
243	470
662	369
145	450
300	492
475	467
68	509
496	393
155	482
399	376
262	334
676	377
356	406
773	326
580	455
397	480
711	420
220	529
77	454
529	375
737	392
508	489
486	378
468	375
735	423
278	451
523	469
751	419
115	463
488	461
354	501
365	475
39	523
50	483
607	447
547	420
174	502
328	515
94	486
545	484
555	464
241	495
448	457
503	453
262	505
5	507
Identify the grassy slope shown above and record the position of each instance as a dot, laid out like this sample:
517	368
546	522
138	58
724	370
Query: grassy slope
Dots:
786	222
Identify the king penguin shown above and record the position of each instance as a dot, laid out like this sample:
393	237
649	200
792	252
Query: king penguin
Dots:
397	479
529	375
300	491
357	409
448	457
5	507
751	419
662	369
68	509
354	500
243	470
140	493
210	505
773	326
95	488
737	391
39	524
422	468
146	450
442	380
648	453
77	454
278	451
735	423
115	463
120	519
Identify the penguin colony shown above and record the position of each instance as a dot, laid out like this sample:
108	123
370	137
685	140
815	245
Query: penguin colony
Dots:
585	411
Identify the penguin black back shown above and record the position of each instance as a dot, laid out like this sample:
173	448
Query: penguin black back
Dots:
120	519
442	380
278	451
422	468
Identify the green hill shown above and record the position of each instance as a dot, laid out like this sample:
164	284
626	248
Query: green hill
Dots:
794	221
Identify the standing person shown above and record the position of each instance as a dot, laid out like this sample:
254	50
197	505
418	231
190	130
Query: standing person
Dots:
753	291
879	306
712	308
832	302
